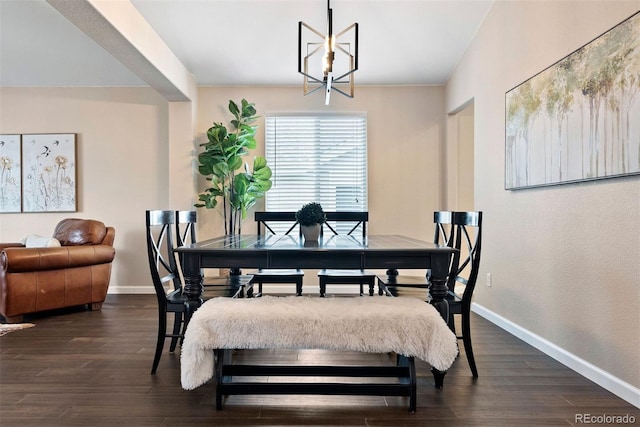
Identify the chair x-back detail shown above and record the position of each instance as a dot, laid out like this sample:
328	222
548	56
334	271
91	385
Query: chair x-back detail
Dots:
355	221
164	271
265	224
214	286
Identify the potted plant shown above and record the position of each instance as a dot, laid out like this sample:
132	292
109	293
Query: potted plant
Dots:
221	164
311	216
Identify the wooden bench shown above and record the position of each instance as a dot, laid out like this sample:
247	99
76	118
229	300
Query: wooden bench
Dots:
408	327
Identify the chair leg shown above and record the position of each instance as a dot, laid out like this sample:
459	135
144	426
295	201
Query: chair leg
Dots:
177	323
299	287
466	339
323	287
162	332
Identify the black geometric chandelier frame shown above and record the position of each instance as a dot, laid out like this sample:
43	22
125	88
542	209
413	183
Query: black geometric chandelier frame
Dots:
309	51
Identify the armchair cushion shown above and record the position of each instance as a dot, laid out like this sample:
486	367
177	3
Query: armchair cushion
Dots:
76	232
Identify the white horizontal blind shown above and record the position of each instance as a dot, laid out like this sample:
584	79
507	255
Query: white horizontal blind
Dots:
317	158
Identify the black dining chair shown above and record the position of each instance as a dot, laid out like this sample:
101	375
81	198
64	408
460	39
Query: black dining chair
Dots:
353	221
164	273
265	223
235	285
467	231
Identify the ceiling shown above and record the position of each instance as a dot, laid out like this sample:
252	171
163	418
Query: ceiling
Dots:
244	42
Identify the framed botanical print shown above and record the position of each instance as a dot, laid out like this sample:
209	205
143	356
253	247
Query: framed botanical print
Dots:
10	174
49	173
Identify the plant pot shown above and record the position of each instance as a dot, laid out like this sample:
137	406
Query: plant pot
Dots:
311	232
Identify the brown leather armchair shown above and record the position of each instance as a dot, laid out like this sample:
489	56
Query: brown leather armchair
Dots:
76	273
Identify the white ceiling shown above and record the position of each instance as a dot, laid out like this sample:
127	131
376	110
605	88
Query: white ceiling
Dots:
244	42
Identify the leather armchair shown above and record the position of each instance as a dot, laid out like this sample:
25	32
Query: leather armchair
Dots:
76	273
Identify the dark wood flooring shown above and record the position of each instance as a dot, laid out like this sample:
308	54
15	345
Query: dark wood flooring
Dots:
82	368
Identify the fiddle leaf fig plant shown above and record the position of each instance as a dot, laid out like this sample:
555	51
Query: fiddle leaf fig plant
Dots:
222	165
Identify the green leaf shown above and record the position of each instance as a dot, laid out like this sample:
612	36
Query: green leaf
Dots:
235	162
263	186
205	170
263	174
217	133
220	169
233	107
259	162
240	184
250	143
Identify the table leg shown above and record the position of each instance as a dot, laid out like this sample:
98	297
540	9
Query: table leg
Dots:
193	285
438	289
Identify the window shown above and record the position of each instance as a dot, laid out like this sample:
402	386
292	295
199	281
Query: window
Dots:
317	158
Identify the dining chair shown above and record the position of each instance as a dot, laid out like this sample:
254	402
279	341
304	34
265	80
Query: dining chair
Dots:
353	221
164	273
265	224
467	229
235	285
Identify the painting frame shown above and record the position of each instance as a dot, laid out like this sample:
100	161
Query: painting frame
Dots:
49	173
10	173
572	122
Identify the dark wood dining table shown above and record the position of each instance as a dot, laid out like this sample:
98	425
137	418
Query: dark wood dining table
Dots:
389	252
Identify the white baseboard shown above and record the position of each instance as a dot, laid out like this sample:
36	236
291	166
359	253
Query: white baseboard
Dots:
116	290
604	379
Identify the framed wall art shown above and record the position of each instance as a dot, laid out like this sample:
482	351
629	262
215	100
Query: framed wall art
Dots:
578	119
49	173
10	175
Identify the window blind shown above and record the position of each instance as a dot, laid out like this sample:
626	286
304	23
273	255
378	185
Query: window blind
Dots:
317	158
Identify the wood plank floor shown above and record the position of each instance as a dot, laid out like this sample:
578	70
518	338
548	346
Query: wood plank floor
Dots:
81	368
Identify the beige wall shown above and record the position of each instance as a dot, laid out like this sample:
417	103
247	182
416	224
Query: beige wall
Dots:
564	259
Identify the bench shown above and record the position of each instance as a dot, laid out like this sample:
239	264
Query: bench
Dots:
408	327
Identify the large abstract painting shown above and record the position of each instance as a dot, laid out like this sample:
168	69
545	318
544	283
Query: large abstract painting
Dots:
579	119
10	187
49	173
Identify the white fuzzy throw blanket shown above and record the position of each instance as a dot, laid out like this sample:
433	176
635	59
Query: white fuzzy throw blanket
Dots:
406	326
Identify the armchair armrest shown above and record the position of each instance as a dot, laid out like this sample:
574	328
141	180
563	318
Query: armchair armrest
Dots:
20	259
3	246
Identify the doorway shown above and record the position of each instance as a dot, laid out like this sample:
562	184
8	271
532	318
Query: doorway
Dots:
460	159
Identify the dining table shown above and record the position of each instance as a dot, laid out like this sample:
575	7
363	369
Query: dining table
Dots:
251	251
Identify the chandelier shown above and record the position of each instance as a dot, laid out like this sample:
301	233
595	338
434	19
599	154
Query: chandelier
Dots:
337	61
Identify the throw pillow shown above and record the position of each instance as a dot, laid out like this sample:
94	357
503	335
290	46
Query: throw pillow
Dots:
35	241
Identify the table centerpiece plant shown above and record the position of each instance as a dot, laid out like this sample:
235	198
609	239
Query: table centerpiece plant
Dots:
311	216
221	162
